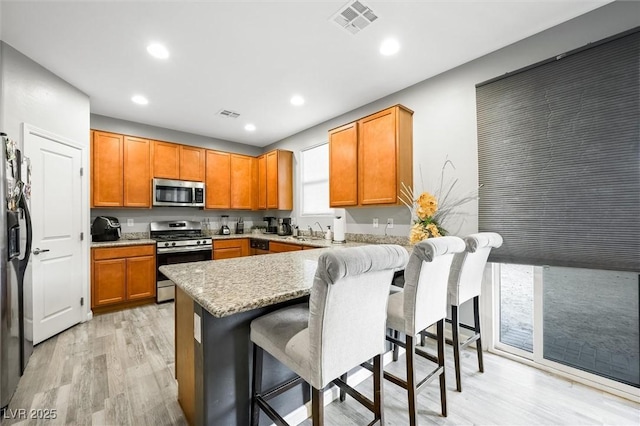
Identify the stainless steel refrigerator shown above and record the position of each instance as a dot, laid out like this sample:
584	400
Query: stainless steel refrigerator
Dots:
16	342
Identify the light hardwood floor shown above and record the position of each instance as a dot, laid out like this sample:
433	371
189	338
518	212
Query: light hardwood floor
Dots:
118	369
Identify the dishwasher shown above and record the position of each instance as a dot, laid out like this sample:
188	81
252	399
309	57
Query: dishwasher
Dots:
259	247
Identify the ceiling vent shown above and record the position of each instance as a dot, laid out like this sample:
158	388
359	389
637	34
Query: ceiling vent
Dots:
228	114
354	17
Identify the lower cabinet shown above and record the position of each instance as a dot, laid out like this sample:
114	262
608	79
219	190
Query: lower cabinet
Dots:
122	275
278	247
228	249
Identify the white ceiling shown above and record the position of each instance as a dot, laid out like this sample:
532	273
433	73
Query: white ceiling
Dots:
252	56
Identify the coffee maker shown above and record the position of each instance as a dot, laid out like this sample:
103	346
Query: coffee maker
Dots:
284	226
272	224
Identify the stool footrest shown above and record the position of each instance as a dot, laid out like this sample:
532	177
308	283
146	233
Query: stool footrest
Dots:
355	394
469	341
281	388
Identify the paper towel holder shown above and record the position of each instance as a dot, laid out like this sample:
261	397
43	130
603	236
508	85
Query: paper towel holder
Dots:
338	230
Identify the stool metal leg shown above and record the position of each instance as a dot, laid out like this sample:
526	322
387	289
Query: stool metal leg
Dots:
455	333
411	380
476	320
317	406
256	384
396	335
343	394
378	400
443	385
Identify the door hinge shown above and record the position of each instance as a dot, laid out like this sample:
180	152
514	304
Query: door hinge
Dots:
82	236
81	171
82	301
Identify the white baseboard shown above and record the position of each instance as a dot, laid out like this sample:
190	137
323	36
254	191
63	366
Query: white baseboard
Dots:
304	412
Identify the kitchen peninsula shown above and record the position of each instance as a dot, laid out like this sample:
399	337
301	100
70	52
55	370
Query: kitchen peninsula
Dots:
215	304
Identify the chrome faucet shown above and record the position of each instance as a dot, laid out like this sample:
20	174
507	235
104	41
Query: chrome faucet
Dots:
321	230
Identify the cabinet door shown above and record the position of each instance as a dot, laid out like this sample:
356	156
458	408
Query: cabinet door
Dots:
141	277
192	163
109	282
227	253
276	247
217	180
106	169
241	179
166	160
262	182
137	172
377	158
272	179
343	166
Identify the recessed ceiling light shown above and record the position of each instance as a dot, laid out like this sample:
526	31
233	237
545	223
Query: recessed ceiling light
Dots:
250	127
297	100
158	51
139	99
389	47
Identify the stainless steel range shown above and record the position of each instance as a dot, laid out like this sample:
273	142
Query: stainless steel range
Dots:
179	241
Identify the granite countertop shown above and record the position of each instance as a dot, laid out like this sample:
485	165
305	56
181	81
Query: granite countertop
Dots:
123	242
230	286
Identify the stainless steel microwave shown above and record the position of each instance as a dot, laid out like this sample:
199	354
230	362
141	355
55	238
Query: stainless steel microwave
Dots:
179	193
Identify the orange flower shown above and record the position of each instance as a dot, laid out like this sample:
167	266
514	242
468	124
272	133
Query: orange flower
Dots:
426	205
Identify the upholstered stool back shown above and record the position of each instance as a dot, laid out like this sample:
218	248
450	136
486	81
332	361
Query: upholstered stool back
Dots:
347	308
425	282
467	268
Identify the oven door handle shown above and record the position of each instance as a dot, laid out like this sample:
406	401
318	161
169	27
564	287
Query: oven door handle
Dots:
163	250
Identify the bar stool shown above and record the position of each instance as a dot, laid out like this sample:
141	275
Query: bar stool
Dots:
343	326
465	283
421	303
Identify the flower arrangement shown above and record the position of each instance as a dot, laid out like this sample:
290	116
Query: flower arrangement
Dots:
429	211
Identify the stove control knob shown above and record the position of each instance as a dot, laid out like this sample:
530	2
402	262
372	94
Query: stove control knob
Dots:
173	244
198	242
166	244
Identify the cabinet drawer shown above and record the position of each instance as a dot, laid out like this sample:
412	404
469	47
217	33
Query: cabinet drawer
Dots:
221	244
122	252
276	247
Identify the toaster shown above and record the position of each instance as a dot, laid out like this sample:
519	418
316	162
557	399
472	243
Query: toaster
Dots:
105	228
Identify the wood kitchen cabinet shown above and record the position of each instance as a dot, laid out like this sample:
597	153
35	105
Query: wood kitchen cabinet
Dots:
176	161
229	181
278	247
384	146
120	170
231	248
343	166
122	276
241	182
217	180
275	180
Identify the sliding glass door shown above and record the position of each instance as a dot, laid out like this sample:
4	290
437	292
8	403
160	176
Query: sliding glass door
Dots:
583	322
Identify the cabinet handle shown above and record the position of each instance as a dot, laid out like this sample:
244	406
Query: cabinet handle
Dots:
37	251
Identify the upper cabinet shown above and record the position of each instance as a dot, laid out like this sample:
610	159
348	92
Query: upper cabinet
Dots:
175	161
275	183
374	155
229	181
217	180
120	171
192	163
343	166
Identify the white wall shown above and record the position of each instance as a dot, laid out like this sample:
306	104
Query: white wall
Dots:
445	114
33	95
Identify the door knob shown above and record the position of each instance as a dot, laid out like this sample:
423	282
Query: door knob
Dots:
37	251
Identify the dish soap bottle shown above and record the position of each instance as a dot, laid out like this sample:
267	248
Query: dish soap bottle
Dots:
328	235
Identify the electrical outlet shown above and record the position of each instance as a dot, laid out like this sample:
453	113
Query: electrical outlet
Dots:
129	222
375	222
390	223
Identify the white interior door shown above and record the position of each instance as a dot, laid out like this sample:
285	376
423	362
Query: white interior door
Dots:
56	209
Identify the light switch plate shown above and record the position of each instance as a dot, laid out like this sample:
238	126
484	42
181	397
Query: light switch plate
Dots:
390	223
129	222
375	222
